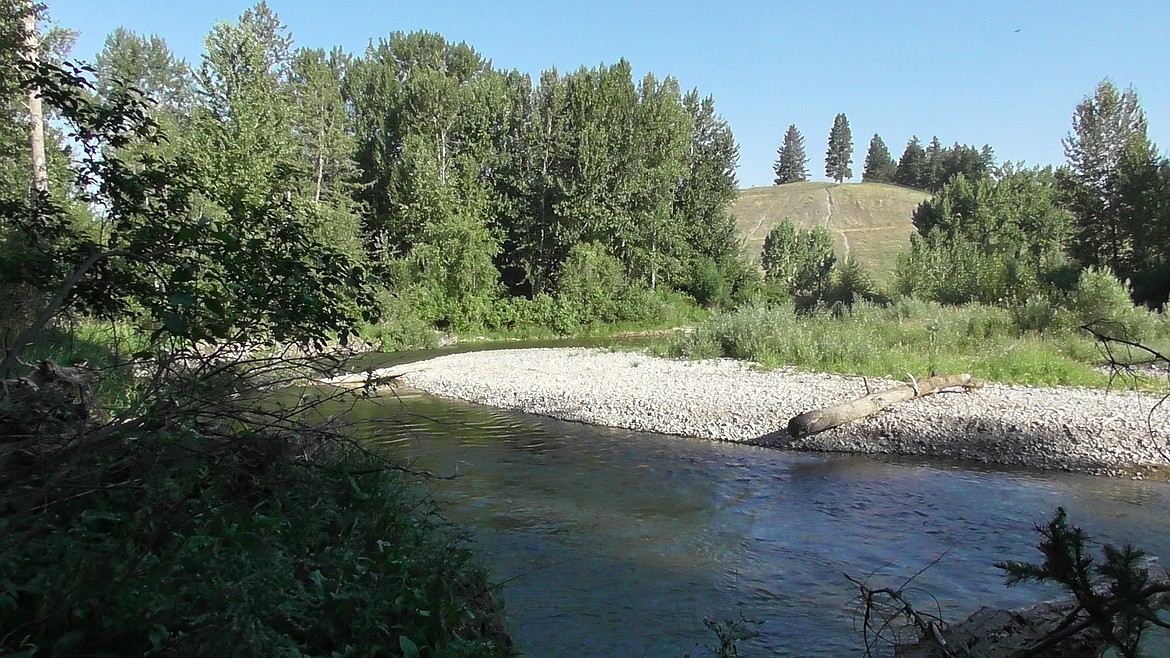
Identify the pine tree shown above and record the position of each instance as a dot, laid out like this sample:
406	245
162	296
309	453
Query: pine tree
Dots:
879	164
934	177
792	163
911	170
840	153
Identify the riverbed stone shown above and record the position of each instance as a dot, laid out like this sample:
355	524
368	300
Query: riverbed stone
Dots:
1075	429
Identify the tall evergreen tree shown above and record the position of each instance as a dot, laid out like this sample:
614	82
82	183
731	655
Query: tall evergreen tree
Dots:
879	164
911	170
933	175
839	155
791	162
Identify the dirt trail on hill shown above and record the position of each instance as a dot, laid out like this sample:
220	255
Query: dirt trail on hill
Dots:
829	222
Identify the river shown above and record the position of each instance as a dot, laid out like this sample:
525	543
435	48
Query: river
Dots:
615	543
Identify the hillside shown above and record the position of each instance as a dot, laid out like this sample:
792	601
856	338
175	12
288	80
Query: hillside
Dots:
869	221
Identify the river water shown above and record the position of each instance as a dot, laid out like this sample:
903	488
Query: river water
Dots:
616	543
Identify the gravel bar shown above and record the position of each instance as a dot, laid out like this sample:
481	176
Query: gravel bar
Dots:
1088	430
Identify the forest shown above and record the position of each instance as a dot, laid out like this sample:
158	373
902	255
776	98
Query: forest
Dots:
467	197
171	230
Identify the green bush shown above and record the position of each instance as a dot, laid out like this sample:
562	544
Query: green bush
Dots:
1101	297
908	335
1039	314
590	281
186	544
708	284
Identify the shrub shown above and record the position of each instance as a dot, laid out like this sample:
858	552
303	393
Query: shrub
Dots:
220	525
589	282
1100	296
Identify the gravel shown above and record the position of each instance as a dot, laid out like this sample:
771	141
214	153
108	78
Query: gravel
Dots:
1089	430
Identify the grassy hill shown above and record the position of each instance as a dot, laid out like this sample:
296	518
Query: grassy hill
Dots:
869	221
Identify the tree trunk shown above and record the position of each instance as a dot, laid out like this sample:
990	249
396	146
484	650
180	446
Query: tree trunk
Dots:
813	422
36	133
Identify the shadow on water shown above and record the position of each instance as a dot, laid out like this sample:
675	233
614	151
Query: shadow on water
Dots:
617	543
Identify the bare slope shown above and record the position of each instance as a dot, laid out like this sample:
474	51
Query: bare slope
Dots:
869	221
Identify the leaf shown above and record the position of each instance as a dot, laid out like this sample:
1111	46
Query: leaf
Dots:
409	648
175	323
182	299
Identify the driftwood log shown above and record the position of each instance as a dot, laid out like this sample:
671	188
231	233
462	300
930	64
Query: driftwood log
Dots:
819	420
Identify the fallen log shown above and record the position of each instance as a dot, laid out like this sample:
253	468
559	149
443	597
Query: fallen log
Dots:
819	420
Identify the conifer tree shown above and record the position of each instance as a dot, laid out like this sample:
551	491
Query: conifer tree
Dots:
879	164
791	163
933	175
840	153
912	165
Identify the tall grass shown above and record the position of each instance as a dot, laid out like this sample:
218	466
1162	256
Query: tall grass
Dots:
909	336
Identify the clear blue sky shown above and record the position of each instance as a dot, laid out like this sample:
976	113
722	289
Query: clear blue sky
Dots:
1004	73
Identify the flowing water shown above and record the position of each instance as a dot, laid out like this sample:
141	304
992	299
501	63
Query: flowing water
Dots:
617	543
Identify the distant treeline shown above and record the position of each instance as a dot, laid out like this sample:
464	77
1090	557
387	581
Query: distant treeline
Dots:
1010	234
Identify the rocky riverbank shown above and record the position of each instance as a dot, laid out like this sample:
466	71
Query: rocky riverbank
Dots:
1051	428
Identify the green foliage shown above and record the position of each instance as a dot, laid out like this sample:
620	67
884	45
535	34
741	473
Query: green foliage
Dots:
791	162
129	59
1116	186
248	553
798	260
879	164
1100	297
933	167
1115	596
911	170
987	240
195	270
888	341
839	155
850	283
592	288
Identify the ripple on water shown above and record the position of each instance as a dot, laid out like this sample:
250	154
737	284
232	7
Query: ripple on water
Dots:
618	543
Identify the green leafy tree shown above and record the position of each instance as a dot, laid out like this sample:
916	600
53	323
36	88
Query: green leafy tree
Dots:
879	164
987	240
145	63
799	261
702	204
320	121
791	162
839	155
911	170
168	258
1111	184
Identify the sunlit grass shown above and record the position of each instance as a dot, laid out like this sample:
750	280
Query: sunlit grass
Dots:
908	337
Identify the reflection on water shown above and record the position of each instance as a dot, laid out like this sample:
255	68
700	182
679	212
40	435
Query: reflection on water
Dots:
616	543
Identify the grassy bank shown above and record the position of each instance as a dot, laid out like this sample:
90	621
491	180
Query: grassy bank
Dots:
908	336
